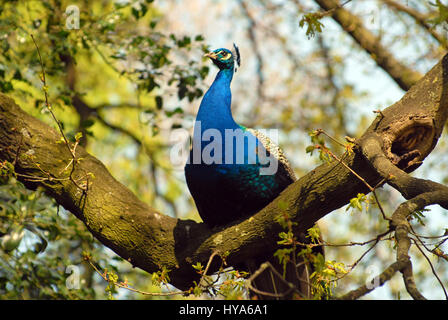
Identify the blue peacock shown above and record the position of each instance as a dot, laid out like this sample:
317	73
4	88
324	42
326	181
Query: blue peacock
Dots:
233	186
226	182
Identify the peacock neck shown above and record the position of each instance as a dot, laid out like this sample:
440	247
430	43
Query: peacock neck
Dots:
215	109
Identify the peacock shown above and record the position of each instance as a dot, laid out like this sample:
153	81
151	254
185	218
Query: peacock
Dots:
227	171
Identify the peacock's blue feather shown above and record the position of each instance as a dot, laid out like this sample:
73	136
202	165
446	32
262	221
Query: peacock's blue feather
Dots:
231	186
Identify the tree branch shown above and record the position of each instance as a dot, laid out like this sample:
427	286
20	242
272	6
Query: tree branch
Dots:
353	25
420	18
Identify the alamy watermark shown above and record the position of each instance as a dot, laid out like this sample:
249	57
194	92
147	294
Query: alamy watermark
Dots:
72	20
372	271
73	280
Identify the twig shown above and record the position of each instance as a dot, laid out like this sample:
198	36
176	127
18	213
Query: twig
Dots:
385	276
349	244
214	254
124	285
377	240
263	267
372	189
430	264
420	18
72	151
330	11
405	77
321	131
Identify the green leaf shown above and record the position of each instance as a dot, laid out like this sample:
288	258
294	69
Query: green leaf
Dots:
153	24
314	234
198	267
178	110
199	38
6	172
139	11
6	86
11	241
419	216
357	202
313	24
87	123
310	149
159	102
443	13
78	136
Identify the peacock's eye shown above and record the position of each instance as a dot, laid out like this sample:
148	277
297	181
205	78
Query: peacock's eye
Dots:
227	56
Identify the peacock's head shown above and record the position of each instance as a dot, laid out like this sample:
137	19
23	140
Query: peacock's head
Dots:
224	58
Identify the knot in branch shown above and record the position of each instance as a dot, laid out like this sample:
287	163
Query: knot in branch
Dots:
409	142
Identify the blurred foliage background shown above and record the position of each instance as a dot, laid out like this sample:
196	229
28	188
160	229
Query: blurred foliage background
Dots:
131	74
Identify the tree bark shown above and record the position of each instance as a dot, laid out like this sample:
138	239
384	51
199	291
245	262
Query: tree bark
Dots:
407	131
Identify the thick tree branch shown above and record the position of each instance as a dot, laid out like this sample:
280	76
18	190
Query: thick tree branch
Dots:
410	187
152	241
400	223
420	192
353	25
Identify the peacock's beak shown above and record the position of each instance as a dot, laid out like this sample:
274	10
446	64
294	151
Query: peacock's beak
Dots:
211	55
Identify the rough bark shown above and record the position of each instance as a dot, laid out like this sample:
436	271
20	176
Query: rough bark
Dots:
151	240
